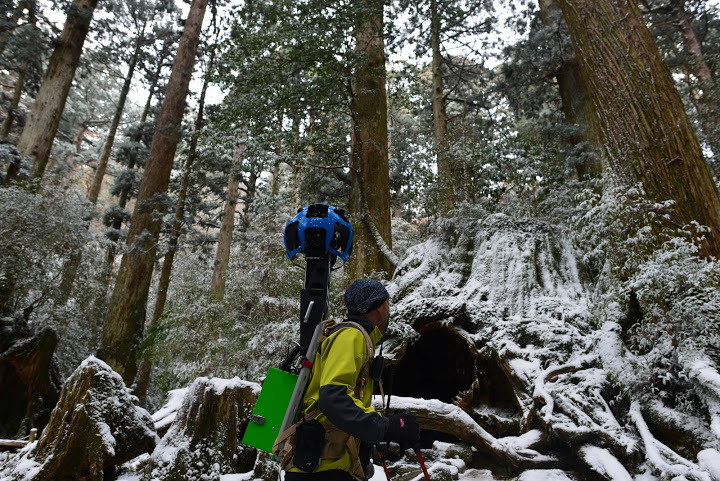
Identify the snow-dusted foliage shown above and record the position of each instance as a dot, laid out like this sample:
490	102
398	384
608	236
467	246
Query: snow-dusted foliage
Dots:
38	235
248	330
664	296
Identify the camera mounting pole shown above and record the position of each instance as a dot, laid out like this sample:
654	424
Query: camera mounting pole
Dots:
321	233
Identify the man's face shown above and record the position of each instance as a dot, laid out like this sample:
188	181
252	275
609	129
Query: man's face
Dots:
384	318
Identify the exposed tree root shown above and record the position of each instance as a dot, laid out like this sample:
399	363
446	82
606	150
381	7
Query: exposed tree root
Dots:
541	394
705	375
663	460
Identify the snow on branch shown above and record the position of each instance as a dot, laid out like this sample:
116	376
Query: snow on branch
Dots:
660	456
379	241
706	375
604	463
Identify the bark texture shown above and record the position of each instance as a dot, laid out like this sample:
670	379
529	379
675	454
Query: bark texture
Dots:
39	132
94	426
143	376
222	255
446	178
370	188
639	116
125	320
205	436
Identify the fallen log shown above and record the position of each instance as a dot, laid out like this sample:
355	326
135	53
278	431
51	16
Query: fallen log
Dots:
450	419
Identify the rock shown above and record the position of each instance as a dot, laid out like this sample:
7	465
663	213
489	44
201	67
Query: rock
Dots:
460	451
94	426
29	377
266	468
203	440
406	472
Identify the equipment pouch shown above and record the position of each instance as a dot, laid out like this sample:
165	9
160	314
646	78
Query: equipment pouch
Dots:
310	436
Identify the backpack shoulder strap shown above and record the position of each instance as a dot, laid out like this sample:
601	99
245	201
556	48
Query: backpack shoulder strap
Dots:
368	342
370	352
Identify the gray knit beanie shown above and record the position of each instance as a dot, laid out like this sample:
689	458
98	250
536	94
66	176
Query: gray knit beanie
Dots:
365	295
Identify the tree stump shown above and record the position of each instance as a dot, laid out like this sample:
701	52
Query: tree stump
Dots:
203	441
94	426
29	377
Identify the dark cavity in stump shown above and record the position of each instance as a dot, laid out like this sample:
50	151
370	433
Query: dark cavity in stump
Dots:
439	365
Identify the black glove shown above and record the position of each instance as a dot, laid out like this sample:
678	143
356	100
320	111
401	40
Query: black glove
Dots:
403	428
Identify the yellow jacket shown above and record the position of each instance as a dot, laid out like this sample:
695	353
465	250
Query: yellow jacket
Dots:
332	387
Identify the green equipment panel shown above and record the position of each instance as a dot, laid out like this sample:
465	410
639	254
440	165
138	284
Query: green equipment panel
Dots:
270	408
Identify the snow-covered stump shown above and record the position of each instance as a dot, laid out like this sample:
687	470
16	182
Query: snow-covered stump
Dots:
29	377
491	328
202	442
96	425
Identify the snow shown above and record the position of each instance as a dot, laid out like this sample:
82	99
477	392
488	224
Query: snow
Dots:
660	456
544	475
237	477
524	441
219	385
453	413
108	440
604	463
167	413
709	460
24	467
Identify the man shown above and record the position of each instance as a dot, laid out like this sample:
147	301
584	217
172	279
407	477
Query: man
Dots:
340	392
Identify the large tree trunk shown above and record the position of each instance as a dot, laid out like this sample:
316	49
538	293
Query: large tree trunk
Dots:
39	132
125	193
143	375
206	433
639	117
107	147
573	93
222	255
126	314
370	188
94	427
446	177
